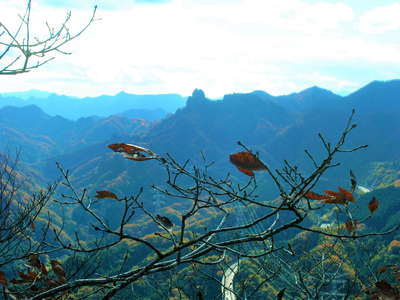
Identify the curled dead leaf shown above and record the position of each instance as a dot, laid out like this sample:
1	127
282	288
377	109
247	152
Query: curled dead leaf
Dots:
57	268
62	280
373	205
342	197
133	152
26	278
348	196
247	172
350	225
165	221
34	261
3	280
383	269
314	196
247	162
106	194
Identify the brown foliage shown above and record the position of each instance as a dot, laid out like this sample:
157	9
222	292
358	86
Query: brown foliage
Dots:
314	196
106	194
57	268
343	196
350	226
3	279
247	162
373	205
165	221
133	152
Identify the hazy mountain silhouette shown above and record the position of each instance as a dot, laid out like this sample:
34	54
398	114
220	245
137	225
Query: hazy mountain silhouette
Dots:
40	136
74	108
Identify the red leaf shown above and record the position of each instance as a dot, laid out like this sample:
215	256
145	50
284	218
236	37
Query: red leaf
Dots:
34	261
129	148
29	277
247	172
331	193
336	200
57	268
373	205
381	270
247	160
106	194
314	196
62	280
133	152
387	267
341	197
348	196
350	226
3	279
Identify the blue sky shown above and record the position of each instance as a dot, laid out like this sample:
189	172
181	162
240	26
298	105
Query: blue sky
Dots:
224	46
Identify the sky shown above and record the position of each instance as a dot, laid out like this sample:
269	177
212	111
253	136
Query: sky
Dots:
220	46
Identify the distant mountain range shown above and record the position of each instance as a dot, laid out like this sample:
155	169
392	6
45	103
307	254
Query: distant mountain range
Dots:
147	106
277	127
40	136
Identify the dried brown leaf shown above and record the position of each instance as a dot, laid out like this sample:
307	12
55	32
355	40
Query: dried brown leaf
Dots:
3	279
165	221
314	196
247	172
350	226
57	268
342	197
247	161
133	152
106	194
34	261
373	205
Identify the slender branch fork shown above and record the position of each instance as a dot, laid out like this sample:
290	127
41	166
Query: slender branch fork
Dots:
18	48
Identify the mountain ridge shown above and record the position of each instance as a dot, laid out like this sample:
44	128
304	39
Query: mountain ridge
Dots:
74	108
262	122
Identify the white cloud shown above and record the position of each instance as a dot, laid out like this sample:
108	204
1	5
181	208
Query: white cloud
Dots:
381	19
220	46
